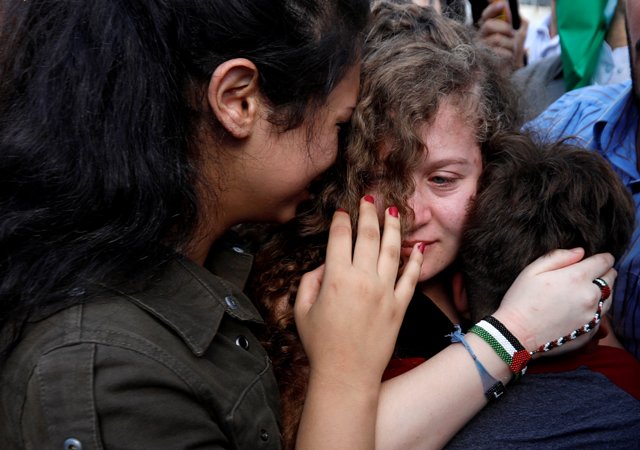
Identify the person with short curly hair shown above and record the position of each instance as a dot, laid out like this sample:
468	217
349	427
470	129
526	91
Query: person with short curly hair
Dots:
531	199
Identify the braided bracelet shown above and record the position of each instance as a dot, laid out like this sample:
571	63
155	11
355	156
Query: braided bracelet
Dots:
493	389
587	327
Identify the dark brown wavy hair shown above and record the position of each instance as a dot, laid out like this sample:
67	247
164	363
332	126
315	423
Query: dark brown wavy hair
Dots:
413	60
539	197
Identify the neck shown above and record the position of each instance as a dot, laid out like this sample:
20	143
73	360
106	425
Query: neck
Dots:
616	35
553	25
209	229
438	290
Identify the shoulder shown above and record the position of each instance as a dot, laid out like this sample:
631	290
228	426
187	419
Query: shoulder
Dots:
591	409
550	66
109	366
81	335
575	113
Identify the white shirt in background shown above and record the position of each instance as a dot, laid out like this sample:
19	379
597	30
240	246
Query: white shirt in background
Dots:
539	44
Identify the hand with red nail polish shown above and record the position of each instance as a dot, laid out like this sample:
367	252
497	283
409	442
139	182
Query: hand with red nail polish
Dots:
348	313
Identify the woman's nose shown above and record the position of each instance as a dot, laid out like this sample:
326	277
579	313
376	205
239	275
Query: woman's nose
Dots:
419	203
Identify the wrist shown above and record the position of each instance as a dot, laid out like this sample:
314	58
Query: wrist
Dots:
352	383
518	327
504	343
490	359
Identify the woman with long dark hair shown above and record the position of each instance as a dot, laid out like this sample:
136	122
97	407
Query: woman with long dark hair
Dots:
133	135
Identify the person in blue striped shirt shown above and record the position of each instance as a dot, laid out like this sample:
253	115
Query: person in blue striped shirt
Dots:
605	119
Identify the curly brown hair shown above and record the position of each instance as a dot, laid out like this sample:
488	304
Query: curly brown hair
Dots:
413	60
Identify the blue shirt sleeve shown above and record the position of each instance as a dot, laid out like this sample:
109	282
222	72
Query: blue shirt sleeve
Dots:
572	116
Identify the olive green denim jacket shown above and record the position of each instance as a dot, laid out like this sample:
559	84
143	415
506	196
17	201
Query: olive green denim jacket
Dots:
174	367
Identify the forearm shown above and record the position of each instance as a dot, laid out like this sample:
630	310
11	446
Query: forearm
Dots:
426	406
338	415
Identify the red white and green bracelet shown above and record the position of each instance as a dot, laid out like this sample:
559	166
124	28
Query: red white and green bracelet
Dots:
505	344
513	353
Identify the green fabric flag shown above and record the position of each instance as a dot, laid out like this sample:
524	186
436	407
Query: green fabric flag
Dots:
582	26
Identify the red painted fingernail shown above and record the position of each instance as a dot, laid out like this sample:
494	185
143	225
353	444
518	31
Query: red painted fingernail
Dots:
421	247
393	211
341	210
369	198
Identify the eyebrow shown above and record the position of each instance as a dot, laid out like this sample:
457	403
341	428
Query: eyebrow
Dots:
450	162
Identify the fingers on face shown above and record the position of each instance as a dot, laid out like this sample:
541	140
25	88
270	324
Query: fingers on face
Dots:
406	285
389	258
367	246
308	291
339	244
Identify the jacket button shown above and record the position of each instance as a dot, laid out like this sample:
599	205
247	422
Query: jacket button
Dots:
72	444
231	302
242	342
264	435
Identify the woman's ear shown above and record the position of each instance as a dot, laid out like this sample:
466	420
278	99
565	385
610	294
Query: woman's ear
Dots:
234	96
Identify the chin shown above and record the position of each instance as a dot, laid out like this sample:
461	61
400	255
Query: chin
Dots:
428	271
426	275
432	268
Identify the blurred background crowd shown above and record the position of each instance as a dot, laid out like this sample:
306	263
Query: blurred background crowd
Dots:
552	46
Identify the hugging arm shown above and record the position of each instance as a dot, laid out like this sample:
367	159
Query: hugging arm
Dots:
348	314
426	406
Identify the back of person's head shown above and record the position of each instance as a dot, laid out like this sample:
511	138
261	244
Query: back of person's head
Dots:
534	198
102	105
401	16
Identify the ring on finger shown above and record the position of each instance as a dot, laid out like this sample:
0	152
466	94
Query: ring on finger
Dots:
605	290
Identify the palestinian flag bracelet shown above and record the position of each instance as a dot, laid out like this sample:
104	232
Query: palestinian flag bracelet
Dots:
505	344
513	353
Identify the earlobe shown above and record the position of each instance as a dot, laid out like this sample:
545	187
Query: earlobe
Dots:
233	96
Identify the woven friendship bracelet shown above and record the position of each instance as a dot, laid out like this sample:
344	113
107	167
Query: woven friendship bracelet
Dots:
516	357
587	327
493	389
605	291
505	344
